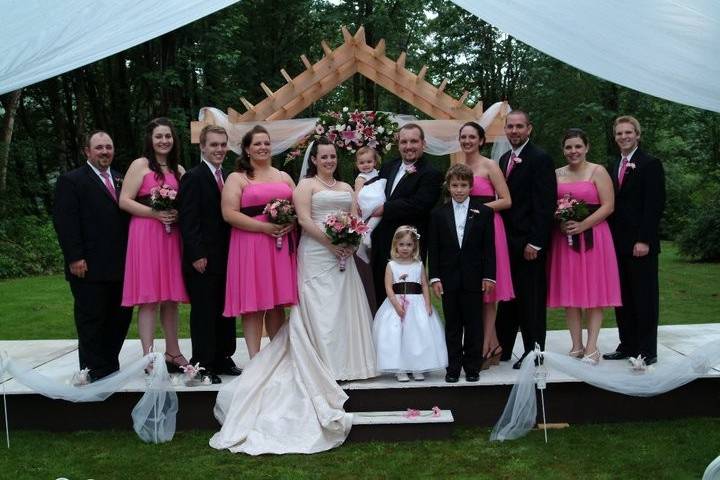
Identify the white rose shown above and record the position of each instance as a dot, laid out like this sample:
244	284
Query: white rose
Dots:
380	129
345	109
388	147
339	127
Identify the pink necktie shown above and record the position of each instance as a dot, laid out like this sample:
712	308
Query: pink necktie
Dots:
218	177
623	168
511	164
108	185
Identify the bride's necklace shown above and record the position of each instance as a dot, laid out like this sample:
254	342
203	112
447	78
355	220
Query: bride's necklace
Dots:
328	185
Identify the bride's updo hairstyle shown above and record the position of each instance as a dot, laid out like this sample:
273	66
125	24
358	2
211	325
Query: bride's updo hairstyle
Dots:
312	168
402	232
243	163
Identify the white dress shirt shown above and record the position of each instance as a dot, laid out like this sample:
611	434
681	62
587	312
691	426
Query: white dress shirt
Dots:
461	211
213	170
629	157
400	174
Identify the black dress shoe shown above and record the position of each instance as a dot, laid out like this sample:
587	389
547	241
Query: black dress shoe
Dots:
472	377
616	355
214	379
231	370
450	378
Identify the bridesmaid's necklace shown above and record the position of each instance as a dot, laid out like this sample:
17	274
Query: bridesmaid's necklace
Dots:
328	185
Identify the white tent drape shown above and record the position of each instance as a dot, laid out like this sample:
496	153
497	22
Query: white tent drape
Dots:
441	135
43	38
659	47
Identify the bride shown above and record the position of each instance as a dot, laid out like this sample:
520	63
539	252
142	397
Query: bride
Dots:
287	400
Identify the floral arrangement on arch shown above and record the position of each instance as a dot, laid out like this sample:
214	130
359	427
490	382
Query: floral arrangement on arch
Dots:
351	130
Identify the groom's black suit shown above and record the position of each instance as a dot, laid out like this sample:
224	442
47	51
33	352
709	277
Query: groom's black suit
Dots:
206	235
639	204
409	204
91	226
533	190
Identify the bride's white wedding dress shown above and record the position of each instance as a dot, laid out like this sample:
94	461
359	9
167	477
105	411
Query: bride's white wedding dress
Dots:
287	400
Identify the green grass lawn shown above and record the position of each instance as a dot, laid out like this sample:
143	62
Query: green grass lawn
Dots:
41	307
679	449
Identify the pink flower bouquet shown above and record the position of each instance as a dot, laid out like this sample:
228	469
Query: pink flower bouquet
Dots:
344	229
570	208
280	212
162	198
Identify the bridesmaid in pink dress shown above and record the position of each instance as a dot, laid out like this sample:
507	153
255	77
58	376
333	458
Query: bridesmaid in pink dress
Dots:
261	279
153	276
584	277
489	185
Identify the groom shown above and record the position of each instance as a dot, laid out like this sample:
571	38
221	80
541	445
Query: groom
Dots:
530	176
412	190
205	247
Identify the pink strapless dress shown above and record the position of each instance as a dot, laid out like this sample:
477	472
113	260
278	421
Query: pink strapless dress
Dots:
587	278
503	287
259	276
153	270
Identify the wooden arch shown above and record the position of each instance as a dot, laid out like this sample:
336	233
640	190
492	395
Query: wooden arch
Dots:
336	66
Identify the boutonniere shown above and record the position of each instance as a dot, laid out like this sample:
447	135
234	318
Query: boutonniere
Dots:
410	169
475	211
630	165
517	160
119	181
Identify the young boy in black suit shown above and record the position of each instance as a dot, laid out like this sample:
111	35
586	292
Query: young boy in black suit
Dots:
461	255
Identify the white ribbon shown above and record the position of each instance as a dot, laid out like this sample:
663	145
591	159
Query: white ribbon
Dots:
153	416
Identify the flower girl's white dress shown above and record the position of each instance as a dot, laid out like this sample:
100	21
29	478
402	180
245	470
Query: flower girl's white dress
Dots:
415	343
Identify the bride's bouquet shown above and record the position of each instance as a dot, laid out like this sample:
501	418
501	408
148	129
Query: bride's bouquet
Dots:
280	212
570	208
345	229
162	198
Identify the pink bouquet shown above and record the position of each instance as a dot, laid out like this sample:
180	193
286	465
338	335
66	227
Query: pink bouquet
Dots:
280	212
570	208
344	229
162	199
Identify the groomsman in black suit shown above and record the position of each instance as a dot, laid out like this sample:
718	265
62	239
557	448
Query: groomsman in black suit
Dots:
639	181
205	248
92	232
412	190
530	175
461	257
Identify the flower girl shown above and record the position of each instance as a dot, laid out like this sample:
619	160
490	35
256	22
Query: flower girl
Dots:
407	331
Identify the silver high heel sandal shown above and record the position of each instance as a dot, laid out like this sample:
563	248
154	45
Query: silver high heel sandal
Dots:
577	353
593	358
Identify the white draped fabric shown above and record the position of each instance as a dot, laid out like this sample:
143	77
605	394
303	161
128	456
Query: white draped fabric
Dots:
520	411
659	47
441	135
41	39
153	416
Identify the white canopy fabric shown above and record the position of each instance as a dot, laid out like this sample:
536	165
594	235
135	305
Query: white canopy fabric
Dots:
441	136
659	47
43	38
